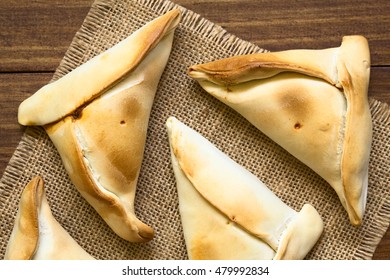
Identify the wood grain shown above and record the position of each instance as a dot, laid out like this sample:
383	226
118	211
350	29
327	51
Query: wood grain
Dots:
14	88
281	25
34	36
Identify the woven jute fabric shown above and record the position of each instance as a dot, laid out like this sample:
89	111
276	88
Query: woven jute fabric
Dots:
196	41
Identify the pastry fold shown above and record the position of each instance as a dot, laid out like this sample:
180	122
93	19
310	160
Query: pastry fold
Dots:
37	234
227	212
97	117
313	103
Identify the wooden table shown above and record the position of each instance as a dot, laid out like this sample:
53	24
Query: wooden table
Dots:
34	36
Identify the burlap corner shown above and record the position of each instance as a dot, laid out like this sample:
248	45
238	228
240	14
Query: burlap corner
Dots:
196	40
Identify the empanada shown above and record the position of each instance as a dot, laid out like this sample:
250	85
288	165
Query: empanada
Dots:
37	234
97	117
313	103
227	212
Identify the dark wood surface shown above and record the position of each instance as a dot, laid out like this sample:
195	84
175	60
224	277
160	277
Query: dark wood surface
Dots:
34	36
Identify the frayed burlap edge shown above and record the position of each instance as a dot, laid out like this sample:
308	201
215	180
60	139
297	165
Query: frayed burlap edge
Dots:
18	161
381	112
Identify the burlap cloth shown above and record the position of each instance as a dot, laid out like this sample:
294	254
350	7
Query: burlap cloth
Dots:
196	40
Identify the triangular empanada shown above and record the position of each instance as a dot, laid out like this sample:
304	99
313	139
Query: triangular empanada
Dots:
37	234
97	117
227	212
313	103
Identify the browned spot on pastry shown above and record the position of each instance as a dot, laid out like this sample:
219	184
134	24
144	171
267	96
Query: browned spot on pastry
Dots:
77	113
188	170
325	127
295	106
122	122
297	125
132	108
203	249
128	163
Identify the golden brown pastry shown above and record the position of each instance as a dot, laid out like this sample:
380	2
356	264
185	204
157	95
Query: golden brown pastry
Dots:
313	103
97	117
227	212
37	234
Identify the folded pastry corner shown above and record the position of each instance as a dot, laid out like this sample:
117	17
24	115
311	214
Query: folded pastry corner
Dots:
313	103
37	234
227	212
97	117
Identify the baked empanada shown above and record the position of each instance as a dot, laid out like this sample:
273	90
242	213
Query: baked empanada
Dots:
97	117
227	212
313	103
37	234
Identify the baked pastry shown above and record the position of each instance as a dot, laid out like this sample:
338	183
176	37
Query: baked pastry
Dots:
313	103
227	212
97	117
37	234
